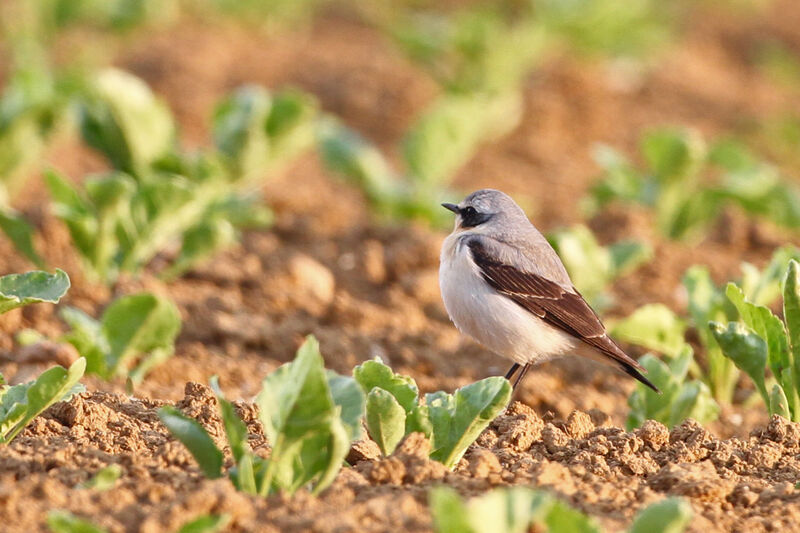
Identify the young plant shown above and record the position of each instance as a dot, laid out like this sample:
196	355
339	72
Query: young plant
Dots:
679	398
480	57
453	421
159	198
656	327
677	183
135	334
310	418
521	509
19	404
762	343
593	267
256	132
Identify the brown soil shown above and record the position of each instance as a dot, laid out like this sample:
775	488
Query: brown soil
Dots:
742	484
367	289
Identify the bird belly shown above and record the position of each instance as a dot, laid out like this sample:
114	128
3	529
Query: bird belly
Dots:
492	319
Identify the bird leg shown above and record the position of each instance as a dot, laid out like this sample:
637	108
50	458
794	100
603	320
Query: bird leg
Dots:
512	371
521	375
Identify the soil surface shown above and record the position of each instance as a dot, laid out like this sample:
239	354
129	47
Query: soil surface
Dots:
365	288
739	484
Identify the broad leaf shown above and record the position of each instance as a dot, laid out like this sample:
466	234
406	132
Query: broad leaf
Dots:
104	479
195	438
22	403
653	326
670	515
209	523
746	349
20	232
138	324
17	290
386	420
371	374
459	419
66	522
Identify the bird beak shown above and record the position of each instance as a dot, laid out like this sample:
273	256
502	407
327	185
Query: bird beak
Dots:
451	207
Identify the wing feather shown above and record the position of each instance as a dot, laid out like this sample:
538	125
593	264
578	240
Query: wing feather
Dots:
557	305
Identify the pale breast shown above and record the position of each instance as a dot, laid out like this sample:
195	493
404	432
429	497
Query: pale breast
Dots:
490	318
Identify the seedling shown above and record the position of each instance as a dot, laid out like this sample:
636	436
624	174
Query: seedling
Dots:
761	343
658	328
452	421
593	267
19	404
310	418
135	334
158	197
676	183
518	509
679	398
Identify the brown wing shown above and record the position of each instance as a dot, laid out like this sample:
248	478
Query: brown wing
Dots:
554	304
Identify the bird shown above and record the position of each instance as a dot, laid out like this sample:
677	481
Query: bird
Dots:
504	286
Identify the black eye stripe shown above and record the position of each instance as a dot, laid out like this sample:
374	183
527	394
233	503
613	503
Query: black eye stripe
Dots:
471	218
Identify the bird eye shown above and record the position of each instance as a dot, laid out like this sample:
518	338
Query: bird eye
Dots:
469	212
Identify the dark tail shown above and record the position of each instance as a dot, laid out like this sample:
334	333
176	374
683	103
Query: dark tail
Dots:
631	371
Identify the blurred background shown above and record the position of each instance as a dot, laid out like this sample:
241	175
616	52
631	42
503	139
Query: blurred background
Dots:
276	167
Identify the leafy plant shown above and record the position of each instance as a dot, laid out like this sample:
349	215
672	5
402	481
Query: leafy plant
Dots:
17	290
762	343
679	398
677	183
658	328
257	132
162	200
452	421
19	404
140	326
593	267
517	509
310	417
65	522
480	57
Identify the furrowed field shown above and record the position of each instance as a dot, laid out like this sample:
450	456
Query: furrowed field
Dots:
220	228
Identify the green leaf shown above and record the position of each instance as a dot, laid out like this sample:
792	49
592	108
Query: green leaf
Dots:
509	510
746	349
419	420
309	429
104	479
653	326
17	290
564	518
239	129
791	314
66	522
20	232
200	243
350	400
627	255
371	374
770	328
678	400
386	420
673	154
124	120
22	403
778	403
460	418
87	337
138	324
195	438
235	428
448	511
670	515
209	523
